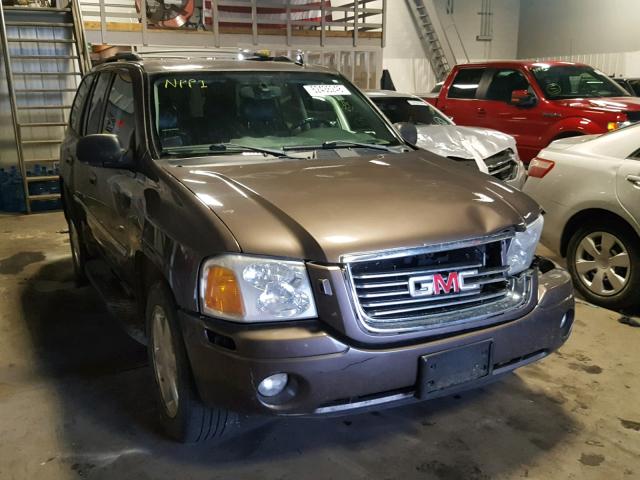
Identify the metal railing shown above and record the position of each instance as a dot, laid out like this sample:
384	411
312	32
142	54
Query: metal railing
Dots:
136	20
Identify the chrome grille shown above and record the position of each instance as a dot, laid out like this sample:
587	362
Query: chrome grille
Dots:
502	165
383	297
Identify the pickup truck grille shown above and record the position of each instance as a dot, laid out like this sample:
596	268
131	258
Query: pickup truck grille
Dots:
436	288
502	165
633	117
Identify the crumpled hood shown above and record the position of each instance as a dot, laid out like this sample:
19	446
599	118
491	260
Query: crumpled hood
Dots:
319	210
612	104
462	142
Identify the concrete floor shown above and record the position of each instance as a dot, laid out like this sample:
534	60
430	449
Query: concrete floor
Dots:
74	401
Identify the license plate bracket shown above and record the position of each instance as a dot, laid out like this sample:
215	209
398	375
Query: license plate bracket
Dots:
451	368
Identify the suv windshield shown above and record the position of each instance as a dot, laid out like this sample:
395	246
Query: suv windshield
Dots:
575	81
409	109
197	113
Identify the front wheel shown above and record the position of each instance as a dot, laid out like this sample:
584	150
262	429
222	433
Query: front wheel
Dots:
604	261
78	252
183	415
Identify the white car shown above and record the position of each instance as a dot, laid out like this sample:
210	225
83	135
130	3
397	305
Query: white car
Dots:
490	151
590	189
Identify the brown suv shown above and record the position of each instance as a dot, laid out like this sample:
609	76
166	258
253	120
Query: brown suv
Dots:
284	250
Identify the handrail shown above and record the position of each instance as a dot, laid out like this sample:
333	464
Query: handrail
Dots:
14	104
84	58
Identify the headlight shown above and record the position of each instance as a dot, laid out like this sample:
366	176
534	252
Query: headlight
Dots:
523	247
254	289
616	125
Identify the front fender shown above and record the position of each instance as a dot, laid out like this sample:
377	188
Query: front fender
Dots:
574	125
178	233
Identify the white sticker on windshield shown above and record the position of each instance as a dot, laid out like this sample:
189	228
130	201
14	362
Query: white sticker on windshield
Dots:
418	103
326	90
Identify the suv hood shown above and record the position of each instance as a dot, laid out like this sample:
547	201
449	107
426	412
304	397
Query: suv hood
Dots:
613	104
319	210
463	142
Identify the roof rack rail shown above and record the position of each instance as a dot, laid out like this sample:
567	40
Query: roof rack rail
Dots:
125	56
218	54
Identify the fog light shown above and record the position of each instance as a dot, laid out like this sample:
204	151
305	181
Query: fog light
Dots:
273	385
563	321
566	324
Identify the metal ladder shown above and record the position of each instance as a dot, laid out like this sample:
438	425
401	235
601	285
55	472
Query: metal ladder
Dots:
45	55
434	48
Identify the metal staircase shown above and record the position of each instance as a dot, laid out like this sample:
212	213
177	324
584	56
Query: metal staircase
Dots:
45	55
440	54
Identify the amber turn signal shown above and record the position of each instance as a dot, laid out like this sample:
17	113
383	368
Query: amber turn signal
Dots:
222	292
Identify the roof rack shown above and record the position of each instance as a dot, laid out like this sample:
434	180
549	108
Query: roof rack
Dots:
124	56
206	53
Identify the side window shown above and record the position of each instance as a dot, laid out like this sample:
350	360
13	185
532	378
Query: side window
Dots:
96	105
635	155
504	82
119	117
75	117
465	84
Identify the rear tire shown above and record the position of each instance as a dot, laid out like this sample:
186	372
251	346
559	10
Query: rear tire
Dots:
604	261
183	415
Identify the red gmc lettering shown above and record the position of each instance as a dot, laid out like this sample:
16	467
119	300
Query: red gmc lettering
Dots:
452	282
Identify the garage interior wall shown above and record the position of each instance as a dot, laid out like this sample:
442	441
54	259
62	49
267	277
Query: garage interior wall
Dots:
602	34
404	55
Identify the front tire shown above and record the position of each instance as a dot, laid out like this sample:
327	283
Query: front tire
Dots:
183	415
78	252
604	261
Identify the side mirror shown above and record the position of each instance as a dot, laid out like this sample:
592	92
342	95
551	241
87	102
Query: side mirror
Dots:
522	98
101	150
407	131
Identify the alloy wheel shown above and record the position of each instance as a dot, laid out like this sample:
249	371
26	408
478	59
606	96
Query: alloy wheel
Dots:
164	359
602	263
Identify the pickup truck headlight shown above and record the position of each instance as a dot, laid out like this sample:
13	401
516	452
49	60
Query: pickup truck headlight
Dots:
245	288
523	247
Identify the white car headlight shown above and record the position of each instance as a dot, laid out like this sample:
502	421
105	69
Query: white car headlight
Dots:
523	247
253	289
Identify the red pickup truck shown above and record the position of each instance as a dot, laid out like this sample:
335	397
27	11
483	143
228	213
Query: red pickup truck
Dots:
536	102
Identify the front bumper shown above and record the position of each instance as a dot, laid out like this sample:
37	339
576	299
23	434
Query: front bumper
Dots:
331	375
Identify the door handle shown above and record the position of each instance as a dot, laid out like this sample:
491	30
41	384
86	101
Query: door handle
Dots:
635	179
67	160
481	111
93	178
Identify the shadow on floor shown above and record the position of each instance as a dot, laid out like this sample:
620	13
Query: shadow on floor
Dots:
108	420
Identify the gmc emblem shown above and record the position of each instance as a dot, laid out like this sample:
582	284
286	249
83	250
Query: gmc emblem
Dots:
438	284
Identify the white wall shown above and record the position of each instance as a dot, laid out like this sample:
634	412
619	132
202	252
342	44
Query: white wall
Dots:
506	15
404	55
568	27
600	33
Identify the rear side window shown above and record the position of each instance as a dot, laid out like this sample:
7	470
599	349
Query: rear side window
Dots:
96	105
504	82
118	116
75	117
465	84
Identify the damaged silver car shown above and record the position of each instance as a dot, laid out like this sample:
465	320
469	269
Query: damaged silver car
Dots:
490	151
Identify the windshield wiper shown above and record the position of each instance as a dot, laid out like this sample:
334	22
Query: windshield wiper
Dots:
223	147
333	144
